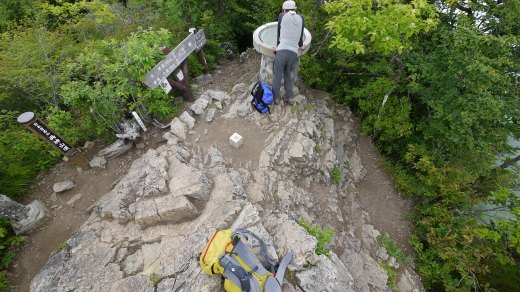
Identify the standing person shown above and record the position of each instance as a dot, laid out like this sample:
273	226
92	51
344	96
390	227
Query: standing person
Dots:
289	41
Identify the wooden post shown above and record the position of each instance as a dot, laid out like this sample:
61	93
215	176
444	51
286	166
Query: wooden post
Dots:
202	60
175	62
35	125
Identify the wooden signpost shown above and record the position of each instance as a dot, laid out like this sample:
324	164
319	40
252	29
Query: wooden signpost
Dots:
176	64
35	125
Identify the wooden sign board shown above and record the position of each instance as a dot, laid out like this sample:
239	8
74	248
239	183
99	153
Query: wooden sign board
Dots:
34	124
200	39
193	42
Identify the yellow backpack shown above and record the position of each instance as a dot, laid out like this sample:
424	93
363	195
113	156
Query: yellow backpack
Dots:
228	255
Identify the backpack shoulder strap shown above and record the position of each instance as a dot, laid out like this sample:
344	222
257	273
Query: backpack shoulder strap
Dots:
263	247
280	273
255	88
249	258
235	272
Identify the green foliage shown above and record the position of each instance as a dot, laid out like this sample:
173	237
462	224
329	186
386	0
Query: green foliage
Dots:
393	250
463	87
108	81
392	275
437	89
4	281
64	246
22	155
220	19
501	276
155	279
33	60
7	241
294	108
335	175
382	26
309	107
436	92
290	275
454	247
86	19
12	10
317	148
63	122
323	235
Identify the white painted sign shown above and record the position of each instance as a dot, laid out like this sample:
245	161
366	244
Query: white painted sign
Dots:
180	75
139	121
165	85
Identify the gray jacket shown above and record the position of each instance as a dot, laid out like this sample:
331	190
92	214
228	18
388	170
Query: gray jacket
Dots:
290	31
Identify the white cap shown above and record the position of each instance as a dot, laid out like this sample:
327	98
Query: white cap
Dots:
287	5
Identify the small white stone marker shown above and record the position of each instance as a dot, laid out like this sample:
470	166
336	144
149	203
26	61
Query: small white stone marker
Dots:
235	140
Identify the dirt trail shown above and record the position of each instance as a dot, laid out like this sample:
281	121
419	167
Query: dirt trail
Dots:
386	209
65	220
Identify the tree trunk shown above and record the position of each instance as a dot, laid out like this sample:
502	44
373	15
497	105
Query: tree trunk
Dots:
509	162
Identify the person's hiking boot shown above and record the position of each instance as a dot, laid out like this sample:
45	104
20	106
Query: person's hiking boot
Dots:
275	101
290	101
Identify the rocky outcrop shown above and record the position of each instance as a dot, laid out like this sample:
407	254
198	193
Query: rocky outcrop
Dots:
329	274
146	234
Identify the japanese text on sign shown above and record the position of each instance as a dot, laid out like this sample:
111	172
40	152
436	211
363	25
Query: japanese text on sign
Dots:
193	42
200	39
55	139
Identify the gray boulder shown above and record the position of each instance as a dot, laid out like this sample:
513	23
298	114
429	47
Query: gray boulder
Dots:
409	282
98	161
188	120
63	186
211	115
188	181
367	273
329	274
164	209
199	105
178	128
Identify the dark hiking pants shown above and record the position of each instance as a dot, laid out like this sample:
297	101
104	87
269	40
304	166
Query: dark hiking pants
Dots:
284	62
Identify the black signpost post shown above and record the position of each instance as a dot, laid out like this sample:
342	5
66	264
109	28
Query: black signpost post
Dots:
35	125
176	62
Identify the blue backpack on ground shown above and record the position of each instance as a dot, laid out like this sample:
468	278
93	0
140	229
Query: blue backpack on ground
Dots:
262	97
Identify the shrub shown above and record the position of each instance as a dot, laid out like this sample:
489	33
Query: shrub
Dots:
392	275
335	175
393	250
7	241
323	235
